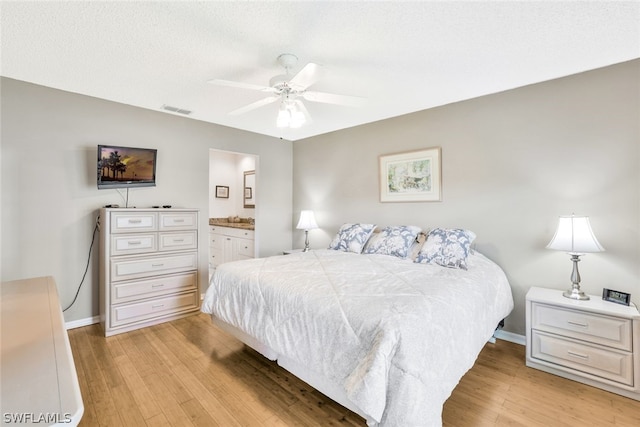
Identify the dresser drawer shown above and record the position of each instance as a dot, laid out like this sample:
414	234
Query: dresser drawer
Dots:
245	248
127	222
130	291
178	221
611	364
598	329
129	244
178	241
137	312
142	267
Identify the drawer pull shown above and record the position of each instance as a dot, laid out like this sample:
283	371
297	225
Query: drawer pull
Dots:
582	325
135	242
158	285
157	306
178	220
135	221
578	355
178	240
157	265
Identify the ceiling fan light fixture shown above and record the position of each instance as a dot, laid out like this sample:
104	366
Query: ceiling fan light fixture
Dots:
289	116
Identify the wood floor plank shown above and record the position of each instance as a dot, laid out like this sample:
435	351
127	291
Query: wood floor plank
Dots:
166	400
139	391
196	374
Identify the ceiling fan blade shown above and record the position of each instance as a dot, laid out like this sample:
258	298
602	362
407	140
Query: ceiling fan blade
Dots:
306	77
241	85
331	98
254	105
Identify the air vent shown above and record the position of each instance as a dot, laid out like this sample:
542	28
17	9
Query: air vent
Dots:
176	110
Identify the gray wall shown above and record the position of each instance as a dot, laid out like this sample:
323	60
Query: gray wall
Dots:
512	163
49	198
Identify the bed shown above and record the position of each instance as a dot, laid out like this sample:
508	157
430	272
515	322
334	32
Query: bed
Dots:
384	335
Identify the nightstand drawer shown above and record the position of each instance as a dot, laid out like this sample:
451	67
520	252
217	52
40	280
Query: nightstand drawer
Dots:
611	364
598	329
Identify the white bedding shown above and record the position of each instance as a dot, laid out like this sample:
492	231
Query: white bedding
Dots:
396	335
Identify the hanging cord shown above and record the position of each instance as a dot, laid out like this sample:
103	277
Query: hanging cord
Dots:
93	239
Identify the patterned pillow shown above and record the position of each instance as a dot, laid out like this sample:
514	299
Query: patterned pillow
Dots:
395	241
352	237
447	247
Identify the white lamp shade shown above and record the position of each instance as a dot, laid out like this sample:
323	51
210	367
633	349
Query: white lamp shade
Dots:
574	235
307	221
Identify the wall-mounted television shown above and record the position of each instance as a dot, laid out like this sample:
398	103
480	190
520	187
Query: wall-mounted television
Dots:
126	167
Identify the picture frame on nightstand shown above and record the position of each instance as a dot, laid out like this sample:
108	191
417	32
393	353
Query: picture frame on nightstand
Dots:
616	296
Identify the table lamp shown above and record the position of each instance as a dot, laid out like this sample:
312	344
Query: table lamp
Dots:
574	236
307	222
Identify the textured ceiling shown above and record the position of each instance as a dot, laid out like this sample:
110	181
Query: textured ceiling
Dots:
401	56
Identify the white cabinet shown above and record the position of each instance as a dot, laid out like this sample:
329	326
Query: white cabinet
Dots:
148	267
595	342
229	244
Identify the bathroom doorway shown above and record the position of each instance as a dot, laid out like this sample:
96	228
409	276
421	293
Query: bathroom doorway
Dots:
233	195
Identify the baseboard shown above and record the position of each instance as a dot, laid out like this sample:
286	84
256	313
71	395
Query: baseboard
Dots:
82	322
510	336
500	334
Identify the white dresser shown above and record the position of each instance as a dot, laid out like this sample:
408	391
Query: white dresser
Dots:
229	244
595	342
148	267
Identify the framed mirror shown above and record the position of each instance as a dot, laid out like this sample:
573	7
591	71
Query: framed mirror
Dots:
249	189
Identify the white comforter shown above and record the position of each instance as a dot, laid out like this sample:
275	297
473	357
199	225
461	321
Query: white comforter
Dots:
397	335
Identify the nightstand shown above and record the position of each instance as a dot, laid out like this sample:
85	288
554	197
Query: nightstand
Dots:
594	342
292	251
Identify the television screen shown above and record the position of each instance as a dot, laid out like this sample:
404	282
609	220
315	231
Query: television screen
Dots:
125	167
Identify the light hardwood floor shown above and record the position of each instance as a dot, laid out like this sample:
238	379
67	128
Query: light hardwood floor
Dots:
187	372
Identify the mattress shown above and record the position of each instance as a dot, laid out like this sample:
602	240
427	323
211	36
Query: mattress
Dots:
394	335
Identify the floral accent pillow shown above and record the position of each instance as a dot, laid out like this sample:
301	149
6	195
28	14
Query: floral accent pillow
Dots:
352	237
447	247
395	241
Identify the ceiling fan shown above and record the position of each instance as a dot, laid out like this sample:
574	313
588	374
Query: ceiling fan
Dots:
290	91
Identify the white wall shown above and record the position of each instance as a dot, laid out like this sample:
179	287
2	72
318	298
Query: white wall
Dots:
227	169
49	198
511	164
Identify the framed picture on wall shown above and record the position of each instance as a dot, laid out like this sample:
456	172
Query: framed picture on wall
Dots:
222	192
413	176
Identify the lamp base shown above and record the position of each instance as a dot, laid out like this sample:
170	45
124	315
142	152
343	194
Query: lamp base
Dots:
575	294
